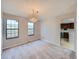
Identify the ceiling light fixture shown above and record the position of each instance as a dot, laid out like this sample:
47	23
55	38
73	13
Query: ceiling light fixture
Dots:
34	16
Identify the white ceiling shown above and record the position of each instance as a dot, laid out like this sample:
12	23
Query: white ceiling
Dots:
24	7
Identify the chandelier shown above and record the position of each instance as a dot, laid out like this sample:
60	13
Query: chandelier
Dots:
34	16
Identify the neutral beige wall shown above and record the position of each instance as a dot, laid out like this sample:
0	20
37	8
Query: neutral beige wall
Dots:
23	37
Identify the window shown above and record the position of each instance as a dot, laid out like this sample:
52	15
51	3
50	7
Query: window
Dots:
12	29
30	28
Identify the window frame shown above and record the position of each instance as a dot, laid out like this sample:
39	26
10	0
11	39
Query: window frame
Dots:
33	29
12	29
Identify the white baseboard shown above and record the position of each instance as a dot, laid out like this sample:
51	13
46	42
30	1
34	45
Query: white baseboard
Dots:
52	43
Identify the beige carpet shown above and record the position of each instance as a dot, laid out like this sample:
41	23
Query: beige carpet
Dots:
38	50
